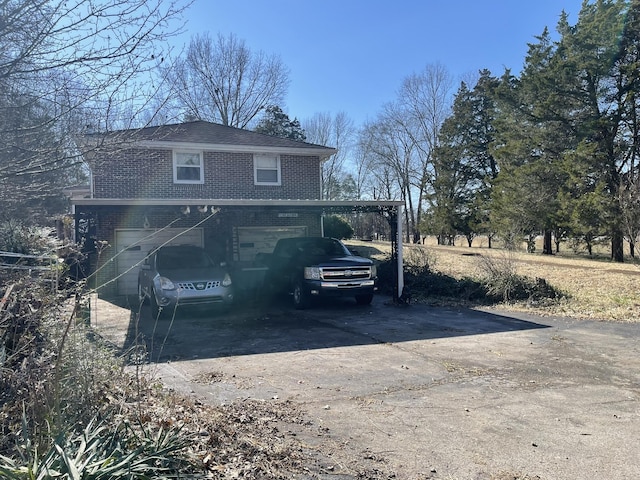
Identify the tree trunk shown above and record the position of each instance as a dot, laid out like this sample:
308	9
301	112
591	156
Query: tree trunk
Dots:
547	248
617	246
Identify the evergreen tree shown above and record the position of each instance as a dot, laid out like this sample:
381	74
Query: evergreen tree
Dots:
532	138
593	67
464	161
568	121
278	124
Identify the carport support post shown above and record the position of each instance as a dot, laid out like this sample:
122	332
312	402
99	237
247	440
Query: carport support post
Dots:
399	256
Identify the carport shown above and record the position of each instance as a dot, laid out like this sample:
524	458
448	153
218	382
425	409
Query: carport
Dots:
125	224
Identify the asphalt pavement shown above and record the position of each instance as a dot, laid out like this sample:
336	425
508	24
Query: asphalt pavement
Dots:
421	391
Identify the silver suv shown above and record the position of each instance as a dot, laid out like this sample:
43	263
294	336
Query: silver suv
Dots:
183	275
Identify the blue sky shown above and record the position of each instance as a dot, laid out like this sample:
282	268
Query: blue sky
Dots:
352	55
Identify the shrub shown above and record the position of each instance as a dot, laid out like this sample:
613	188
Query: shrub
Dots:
57	379
421	278
16	237
100	451
337	227
502	282
498	282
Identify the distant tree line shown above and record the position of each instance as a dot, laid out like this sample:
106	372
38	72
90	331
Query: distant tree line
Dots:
553	151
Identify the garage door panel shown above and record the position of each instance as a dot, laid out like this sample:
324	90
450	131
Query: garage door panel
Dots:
253	240
133	245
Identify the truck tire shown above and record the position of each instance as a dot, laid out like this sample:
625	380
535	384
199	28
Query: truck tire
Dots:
300	297
364	299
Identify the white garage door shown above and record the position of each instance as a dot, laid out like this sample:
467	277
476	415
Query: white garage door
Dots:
253	240
133	245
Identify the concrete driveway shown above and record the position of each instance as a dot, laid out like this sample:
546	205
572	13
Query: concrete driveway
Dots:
419	391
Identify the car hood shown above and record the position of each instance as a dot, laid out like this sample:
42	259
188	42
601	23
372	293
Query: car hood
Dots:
194	274
346	261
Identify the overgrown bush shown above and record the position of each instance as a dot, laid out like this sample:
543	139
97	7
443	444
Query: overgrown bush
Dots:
502	282
498	281
17	237
57	379
422	280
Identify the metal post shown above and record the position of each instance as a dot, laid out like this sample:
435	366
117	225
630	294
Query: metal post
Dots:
399	256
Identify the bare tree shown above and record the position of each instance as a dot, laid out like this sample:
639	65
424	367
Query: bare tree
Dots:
363	167
336	131
65	66
393	153
423	104
223	81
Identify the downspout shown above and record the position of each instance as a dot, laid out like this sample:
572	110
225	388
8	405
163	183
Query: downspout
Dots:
399	247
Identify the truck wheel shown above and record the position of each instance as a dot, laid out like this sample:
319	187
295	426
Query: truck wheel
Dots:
300	297
364	299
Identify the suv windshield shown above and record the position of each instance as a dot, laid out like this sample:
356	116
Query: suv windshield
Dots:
182	258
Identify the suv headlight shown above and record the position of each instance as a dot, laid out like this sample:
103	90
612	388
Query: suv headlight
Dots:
226	281
312	273
166	284
374	271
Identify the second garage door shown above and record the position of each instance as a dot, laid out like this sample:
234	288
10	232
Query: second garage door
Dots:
250	241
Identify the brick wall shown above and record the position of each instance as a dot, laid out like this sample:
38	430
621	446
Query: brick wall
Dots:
146	173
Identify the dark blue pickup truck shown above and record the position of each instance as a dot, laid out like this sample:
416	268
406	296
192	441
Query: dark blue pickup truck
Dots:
318	267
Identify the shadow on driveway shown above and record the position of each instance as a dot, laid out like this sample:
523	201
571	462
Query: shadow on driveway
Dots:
277	327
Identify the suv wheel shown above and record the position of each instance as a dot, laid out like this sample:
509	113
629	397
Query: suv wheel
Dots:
156	310
142	298
300	297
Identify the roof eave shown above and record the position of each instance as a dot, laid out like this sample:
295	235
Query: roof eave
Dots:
230	202
322	152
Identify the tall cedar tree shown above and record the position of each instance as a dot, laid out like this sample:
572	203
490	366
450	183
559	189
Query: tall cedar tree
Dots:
590	62
464	145
278	124
568	120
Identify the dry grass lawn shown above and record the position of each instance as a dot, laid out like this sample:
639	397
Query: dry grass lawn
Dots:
595	289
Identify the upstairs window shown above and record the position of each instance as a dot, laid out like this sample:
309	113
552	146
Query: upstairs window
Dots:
266	169
187	167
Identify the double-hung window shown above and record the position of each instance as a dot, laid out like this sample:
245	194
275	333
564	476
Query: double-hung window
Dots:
188	167
266	169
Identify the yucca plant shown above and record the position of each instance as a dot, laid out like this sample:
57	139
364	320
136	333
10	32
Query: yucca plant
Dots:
100	453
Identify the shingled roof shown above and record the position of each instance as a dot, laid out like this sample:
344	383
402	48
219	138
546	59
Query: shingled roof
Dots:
213	134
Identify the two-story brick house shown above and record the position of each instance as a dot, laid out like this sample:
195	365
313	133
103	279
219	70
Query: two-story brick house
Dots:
232	191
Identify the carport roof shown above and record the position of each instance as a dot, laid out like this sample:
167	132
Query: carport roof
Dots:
364	204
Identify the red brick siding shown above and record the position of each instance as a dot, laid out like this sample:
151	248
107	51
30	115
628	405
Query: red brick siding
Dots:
146	173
